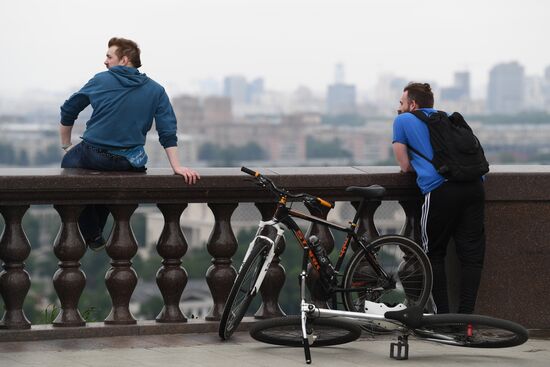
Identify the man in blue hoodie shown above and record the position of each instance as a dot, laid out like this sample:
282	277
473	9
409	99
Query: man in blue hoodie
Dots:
124	103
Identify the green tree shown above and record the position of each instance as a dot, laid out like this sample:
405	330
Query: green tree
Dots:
150	309
522	118
209	152
326	149
343	120
7	154
147	269
231	155
52	154
23	159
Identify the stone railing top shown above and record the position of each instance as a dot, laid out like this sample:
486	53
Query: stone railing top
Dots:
52	185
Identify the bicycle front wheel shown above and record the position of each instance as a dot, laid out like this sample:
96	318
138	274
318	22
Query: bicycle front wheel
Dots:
406	276
474	331
287	331
242	292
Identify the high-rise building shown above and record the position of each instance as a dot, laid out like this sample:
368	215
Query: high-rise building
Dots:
506	88
255	90
188	110
534	97
462	82
236	88
339	74
546	89
217	110
341	97
460	91
241	92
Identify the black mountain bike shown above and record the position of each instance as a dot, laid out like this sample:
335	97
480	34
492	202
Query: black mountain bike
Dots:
387	271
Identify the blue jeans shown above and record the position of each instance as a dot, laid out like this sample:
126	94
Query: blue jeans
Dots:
84	155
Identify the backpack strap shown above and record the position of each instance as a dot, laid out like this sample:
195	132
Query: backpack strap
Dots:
424	118
418	153
421	115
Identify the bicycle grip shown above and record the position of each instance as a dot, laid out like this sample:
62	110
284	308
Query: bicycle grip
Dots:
249	171
324	203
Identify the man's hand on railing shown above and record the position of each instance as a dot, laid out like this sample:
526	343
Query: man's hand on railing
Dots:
190	176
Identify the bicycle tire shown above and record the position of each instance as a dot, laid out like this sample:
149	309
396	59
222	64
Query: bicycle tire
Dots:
240	295
406	265
287	331
473	331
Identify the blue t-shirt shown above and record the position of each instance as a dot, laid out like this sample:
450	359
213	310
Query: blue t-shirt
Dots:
409	130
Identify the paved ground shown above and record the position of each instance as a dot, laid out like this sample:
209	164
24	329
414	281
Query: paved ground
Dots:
208	350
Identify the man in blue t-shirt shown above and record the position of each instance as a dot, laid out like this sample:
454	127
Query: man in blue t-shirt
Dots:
450	210
124	103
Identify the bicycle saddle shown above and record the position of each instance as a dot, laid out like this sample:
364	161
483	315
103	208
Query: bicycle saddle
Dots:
410	317
370	192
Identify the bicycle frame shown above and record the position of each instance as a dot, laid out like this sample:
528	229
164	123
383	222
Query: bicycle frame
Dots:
285	215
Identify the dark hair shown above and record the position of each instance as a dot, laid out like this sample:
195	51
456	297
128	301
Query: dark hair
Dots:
128	48
421	93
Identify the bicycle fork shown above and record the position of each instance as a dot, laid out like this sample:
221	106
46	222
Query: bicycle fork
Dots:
270	254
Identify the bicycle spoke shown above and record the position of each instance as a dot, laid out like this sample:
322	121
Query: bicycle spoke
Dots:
406	275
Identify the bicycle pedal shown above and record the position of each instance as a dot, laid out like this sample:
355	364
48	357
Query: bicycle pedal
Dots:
402	347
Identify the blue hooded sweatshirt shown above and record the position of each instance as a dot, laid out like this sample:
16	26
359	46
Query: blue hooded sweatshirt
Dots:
124	103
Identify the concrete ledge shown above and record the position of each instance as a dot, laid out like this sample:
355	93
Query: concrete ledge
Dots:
99	329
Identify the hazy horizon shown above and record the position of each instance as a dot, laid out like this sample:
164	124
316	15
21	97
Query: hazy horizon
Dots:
59	45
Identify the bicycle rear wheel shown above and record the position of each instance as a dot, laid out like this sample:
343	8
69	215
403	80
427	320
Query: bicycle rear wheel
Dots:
287	331
408	270
474	331
242	292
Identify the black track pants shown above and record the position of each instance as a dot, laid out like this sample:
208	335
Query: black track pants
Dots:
455	210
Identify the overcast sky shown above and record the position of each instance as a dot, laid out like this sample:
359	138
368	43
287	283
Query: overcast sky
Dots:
58	45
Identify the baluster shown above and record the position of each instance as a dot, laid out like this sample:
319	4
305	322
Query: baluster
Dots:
275	276
14	279
327	241
413	212
222	245
321	231
121	278
171	277
69	280
366	222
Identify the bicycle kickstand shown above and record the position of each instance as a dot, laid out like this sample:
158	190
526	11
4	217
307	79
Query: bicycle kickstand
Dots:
402	347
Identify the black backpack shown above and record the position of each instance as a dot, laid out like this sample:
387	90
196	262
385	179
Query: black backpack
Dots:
458	154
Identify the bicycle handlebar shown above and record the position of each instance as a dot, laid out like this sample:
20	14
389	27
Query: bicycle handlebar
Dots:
249	171
266	182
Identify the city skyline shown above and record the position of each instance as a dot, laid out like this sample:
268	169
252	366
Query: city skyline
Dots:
59	45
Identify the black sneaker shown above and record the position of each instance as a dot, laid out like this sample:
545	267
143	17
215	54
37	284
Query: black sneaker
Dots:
97	244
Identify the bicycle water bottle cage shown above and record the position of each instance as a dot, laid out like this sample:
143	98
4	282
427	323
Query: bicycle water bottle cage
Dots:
410	317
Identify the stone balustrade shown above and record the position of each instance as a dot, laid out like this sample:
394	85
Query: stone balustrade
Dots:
514	278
